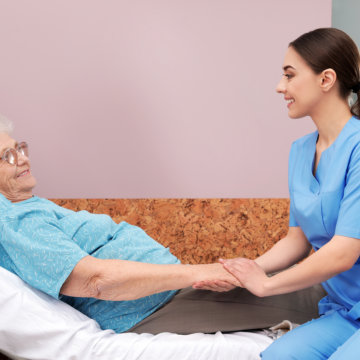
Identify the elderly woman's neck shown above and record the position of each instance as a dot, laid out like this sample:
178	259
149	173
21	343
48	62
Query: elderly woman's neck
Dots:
19	200
15	198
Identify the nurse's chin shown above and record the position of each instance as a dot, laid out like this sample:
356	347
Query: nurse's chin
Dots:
296	115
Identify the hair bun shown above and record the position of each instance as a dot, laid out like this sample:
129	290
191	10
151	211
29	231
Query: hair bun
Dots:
356	88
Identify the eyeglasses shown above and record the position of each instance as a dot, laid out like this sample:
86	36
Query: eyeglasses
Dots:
10	155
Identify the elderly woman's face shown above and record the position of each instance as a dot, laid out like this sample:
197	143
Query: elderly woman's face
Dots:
16	181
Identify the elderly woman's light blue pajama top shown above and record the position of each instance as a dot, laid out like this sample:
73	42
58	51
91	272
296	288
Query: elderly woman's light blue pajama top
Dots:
328	204
42	242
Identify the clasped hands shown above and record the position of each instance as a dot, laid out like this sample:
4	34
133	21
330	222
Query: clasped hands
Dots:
246	273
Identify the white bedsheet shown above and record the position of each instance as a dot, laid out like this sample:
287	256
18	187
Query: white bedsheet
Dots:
38	327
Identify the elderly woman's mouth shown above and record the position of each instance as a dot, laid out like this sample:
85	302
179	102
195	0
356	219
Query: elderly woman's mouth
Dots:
24	173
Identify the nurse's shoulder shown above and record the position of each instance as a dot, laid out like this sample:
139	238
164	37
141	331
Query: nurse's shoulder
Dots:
304	142
300	151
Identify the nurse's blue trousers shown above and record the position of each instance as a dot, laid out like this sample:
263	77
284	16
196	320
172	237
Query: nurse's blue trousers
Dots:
333	336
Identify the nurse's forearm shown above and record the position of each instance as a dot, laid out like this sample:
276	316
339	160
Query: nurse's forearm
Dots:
337	256
285	253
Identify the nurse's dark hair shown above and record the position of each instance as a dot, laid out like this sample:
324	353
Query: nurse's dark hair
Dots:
332	48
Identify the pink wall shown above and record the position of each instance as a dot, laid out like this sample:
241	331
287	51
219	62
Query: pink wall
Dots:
153	98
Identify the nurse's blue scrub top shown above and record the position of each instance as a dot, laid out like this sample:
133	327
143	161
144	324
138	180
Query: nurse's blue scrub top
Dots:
328	204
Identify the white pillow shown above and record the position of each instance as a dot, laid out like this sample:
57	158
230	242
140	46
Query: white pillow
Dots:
36	326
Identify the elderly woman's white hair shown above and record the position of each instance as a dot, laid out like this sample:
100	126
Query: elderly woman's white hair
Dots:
6	125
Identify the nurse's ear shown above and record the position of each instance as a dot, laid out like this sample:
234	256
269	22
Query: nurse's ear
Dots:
327	79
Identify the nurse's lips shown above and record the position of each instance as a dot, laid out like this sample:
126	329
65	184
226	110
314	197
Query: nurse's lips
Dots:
289	101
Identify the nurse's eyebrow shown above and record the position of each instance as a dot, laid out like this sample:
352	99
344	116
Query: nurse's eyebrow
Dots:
287	67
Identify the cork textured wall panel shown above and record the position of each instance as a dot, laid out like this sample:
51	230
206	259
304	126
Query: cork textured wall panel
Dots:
199	230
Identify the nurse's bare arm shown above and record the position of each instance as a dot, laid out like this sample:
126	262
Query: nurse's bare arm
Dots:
337	256
286	252
129	280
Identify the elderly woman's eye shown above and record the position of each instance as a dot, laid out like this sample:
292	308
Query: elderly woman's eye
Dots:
10	157
23	149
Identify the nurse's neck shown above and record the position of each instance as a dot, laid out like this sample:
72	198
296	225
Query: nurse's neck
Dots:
330	118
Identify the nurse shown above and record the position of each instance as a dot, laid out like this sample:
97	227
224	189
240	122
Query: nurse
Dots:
321	74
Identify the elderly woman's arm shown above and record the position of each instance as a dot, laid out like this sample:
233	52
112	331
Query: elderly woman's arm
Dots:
129	280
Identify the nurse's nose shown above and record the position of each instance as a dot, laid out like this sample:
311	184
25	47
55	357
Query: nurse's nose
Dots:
280	88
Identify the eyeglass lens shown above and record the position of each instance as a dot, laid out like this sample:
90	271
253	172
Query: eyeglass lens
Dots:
11	155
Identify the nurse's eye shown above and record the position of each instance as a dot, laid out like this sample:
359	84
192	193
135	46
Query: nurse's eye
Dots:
288	76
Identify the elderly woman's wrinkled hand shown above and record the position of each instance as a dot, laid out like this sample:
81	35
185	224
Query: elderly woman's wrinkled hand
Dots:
215	278
221	280
248	273
214	285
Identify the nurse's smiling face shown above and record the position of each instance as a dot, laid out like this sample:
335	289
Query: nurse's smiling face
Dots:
300	86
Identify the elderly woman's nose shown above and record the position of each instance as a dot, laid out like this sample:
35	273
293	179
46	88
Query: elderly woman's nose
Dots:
22	158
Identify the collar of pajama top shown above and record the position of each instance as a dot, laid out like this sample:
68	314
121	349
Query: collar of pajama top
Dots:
328	204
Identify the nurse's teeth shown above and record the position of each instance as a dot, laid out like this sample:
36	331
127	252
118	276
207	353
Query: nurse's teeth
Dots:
290	101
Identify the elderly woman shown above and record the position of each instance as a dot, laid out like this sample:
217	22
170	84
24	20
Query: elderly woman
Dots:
115	273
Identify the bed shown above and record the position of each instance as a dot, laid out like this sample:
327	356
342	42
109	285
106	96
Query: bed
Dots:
36	326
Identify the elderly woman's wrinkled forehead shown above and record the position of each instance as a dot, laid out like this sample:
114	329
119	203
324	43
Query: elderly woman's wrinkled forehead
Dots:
6	141
5	138
6	125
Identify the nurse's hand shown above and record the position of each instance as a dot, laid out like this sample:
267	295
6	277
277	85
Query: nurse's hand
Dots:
214	285
248	273
217	285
